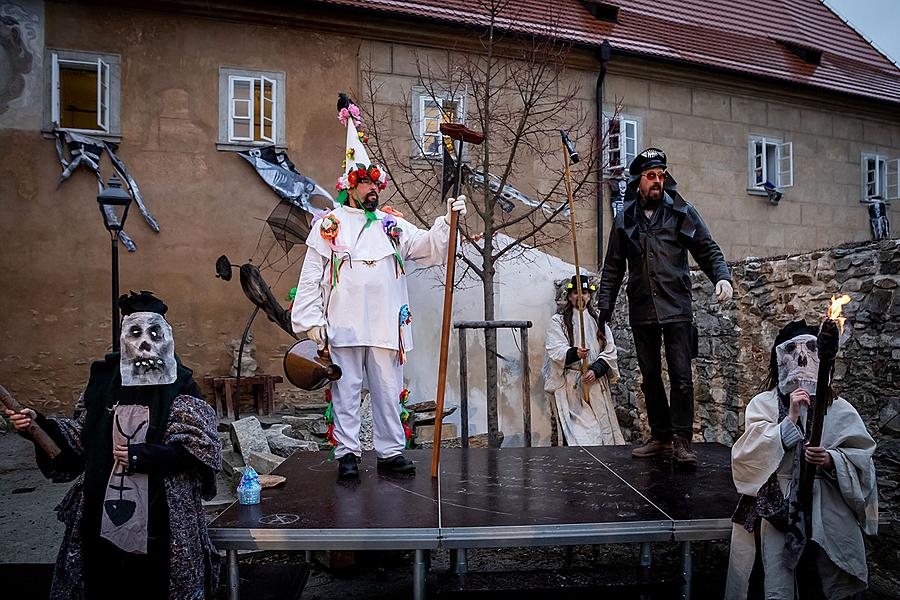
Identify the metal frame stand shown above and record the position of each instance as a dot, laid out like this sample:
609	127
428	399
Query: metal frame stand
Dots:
492	416
686	569
419	570
234	575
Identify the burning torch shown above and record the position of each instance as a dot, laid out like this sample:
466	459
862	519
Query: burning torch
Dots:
828	342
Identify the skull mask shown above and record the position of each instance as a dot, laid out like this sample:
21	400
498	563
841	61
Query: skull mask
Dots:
148	350
798	364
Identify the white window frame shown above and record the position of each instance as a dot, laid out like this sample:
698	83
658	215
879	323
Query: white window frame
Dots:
420	96
760	149
107	69
232	109
886	177
618	142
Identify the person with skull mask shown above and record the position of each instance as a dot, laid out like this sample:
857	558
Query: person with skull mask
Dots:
352	300
651	236
765	558
143	450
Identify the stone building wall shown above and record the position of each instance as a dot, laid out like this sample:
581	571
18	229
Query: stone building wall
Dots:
735	340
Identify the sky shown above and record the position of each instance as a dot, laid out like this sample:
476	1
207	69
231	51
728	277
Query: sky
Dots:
878	20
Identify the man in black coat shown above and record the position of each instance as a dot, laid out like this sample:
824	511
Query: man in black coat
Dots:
652	236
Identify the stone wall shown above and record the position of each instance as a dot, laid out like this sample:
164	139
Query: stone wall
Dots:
735	340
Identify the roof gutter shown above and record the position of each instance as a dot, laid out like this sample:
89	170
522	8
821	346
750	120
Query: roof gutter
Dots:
604	54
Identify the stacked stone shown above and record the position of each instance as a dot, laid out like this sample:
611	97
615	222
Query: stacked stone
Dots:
735	339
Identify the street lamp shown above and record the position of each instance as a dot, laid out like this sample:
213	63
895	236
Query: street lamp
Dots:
114	203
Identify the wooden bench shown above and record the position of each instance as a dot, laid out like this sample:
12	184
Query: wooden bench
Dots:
262	387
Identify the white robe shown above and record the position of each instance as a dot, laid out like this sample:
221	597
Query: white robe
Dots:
364	308
845	502
581	424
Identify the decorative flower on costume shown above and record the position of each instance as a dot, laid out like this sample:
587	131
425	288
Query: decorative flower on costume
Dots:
329	420
393	231
356	165
328	229
405	419
405	319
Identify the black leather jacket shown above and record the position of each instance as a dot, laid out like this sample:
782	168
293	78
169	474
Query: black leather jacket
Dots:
659	283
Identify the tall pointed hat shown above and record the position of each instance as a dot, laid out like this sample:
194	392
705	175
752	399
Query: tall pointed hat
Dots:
357	165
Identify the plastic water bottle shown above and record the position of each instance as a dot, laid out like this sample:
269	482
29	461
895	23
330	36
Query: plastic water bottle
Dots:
249	487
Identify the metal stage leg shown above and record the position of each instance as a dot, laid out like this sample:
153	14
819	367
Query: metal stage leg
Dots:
646	558
686	568
459	560
419	567
234	576
308	557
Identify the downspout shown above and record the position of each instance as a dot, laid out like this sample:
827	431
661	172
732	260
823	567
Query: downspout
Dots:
604	55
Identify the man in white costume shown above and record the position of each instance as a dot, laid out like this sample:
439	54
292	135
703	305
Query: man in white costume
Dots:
765	463
581	424
352	299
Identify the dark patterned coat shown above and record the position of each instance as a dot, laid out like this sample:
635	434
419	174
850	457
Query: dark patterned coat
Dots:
193	562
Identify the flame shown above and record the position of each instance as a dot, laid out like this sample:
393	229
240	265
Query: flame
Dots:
834	311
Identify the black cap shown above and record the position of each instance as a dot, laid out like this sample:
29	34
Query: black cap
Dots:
648	159
141	302
586	285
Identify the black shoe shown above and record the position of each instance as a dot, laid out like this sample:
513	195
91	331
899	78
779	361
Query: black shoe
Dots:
396	465
348	466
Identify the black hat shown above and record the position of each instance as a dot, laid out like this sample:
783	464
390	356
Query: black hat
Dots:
586	285
143	302
648	159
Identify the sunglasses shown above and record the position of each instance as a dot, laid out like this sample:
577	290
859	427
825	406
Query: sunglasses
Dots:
655	175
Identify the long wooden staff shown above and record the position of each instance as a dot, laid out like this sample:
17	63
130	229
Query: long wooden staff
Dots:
34	430
571	155
461	134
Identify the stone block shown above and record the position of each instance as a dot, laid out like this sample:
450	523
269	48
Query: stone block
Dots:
670	97
284	446
751	112
411	60
277	429
631	92
425	433
815	122
875	132
306	424
786	213
691	128
846	128
264	462
816	215
657	123
710	105
376	56
247	436
782	116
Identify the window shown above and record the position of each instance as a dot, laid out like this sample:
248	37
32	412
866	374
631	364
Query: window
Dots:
430	109
251	108
84	92
622	141
770	161
880	178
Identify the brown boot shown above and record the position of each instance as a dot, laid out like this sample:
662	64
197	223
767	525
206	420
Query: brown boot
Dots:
682	453
652	447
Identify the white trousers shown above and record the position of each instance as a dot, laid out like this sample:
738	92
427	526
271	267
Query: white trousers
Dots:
384	373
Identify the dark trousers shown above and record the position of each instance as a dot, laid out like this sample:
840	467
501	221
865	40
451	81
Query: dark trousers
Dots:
675	415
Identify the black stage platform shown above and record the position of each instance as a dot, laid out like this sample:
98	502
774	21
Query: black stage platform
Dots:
487	498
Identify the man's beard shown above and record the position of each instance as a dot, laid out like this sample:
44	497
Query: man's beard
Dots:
370	202
651	200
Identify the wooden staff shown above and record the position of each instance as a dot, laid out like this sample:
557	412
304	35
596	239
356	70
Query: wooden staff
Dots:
571	155
39	436
461	134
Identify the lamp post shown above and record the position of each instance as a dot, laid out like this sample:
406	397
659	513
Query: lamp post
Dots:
114	203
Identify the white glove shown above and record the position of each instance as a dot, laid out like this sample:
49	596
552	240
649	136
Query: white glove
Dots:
457	205
317	334
724	291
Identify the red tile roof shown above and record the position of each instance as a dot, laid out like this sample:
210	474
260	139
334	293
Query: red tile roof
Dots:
750	36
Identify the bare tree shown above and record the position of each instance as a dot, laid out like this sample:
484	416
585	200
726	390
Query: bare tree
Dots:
514	88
